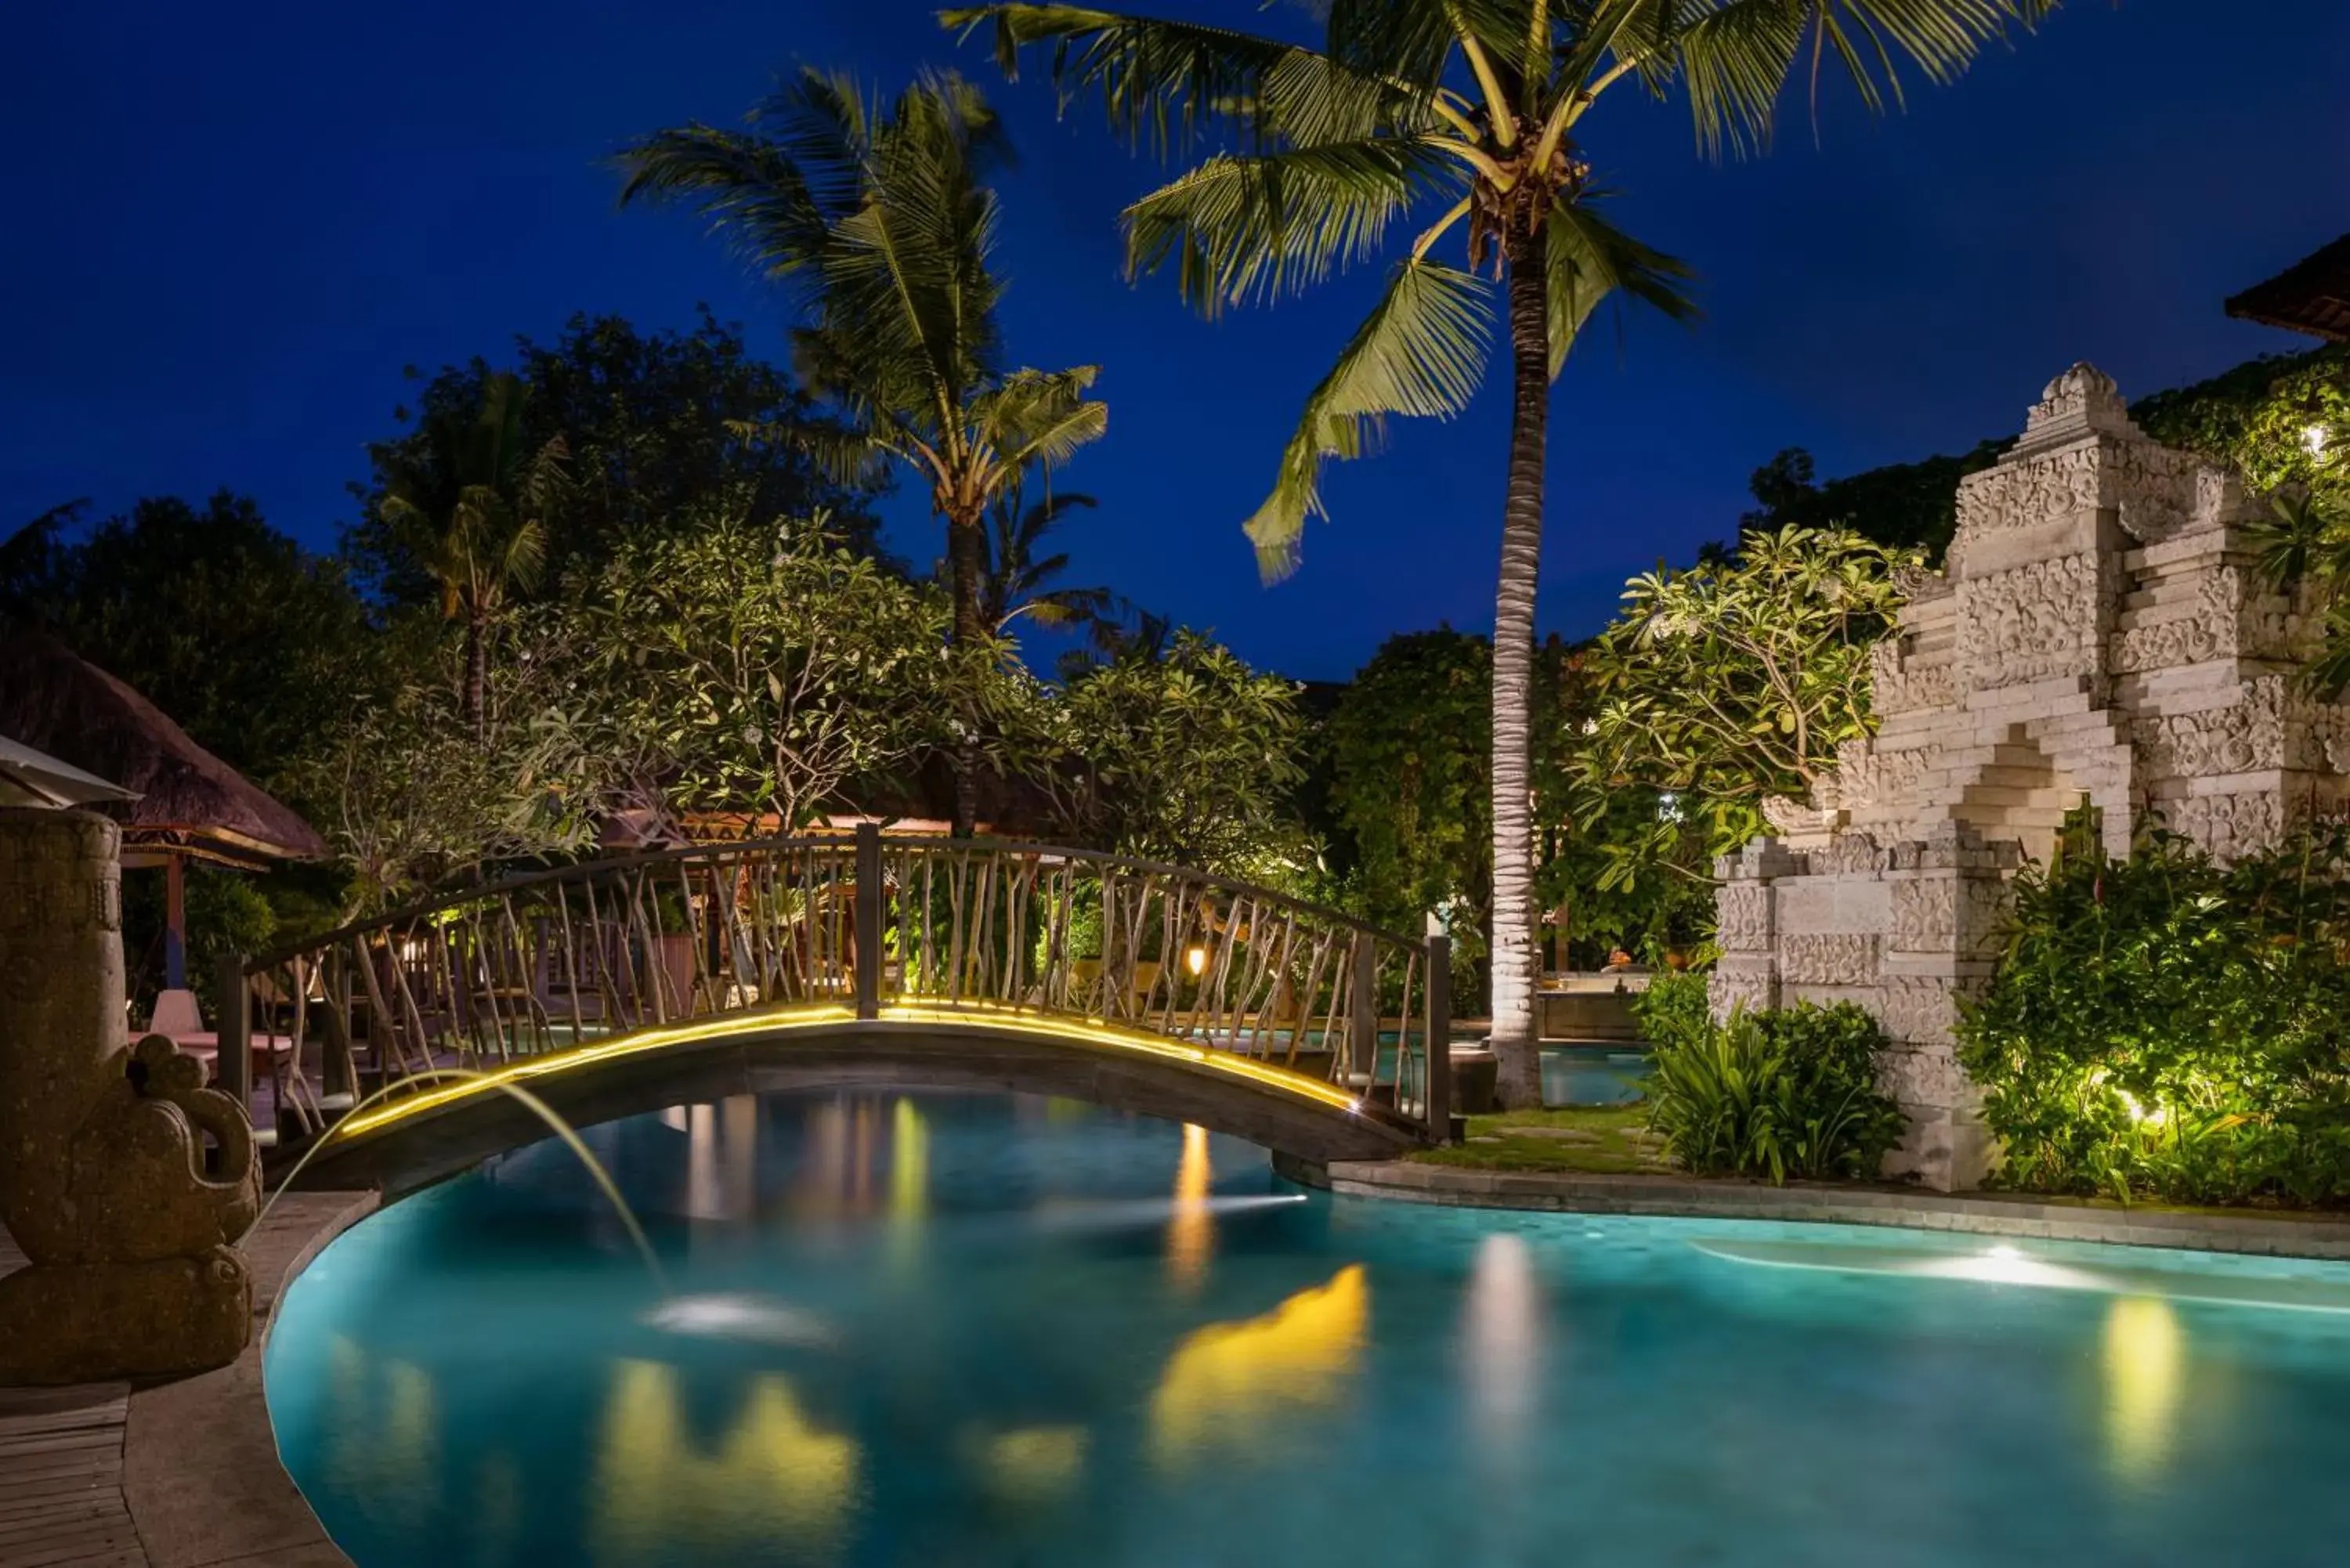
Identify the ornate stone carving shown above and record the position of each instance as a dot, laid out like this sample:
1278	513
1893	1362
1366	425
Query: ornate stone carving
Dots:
1866	776
1955	914
1743	918
1850	854
1924	1074
102	1179
1918	1010
1899	685
1840	957
1790	817
2027	493
2247	735
2228	826
2223	624
2030	623
1729	989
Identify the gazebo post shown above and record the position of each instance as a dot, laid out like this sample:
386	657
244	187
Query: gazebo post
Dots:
175	924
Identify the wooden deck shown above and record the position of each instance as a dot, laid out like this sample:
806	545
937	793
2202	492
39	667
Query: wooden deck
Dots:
61	1503
176	1474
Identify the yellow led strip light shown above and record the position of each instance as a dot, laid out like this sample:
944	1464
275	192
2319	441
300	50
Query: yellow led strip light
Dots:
1089	1032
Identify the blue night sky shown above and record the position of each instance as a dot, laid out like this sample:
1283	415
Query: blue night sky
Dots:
228	227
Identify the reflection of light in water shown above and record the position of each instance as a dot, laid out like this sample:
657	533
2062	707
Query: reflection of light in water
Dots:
909	1181
392	1466
1504	1340
760	1319
773	1474
2146	1363
2003	1266
1031	1464
1191	1233
739	1121
1134	1212
702	1200
1228	1384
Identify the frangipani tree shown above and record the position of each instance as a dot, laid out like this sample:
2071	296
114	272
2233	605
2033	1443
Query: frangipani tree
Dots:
878	220
1470	110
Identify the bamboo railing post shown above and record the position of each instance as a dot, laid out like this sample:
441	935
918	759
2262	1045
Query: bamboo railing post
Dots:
1363	1014
868	920
1436	1097
341	1076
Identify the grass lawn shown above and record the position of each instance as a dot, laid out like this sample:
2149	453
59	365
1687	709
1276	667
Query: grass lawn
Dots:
1610	1139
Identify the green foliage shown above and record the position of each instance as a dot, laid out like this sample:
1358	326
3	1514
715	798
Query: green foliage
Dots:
2257	417
1783	1093
656	424
1409	751
225	913
2160	1026
749	671
1735	679
251	644
1188	757
414	795
1903	506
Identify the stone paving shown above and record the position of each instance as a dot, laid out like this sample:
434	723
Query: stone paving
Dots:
182	1474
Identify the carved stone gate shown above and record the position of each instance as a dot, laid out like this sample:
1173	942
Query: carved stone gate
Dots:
2100	632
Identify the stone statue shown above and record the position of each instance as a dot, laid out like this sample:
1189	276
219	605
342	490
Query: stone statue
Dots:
102	1181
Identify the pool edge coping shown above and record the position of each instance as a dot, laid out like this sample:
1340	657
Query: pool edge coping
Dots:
1989	1214
202	1477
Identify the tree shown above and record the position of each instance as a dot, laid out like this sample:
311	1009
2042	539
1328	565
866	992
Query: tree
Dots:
1187	757
1735	681
1901	505
251	644
1338	145
881	221
1014	582
415	793
761	667
471	497
658	426
1408	752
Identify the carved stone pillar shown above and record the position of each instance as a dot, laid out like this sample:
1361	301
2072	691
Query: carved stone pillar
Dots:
102	1179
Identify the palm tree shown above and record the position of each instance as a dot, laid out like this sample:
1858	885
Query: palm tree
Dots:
1470	107
1015	582
880	221
472	499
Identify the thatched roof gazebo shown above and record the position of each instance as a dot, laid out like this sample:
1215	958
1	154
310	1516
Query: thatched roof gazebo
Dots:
2313	296
190	805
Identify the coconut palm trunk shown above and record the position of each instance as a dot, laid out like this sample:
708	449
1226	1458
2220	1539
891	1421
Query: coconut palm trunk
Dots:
1512	970
476	697
967	566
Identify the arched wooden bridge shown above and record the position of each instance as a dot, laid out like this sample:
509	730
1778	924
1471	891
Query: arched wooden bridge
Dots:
625	985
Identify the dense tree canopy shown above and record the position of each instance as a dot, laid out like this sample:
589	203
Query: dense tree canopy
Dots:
252	643
656	424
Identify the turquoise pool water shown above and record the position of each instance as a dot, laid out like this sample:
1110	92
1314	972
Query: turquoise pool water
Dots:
955	1332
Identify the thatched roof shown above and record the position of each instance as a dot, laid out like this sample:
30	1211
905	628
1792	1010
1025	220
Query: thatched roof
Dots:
2313	296
189	800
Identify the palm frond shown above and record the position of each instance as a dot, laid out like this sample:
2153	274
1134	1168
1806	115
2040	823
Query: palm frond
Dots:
1588	259
1248	228
1163	81
1420	353
1738	56
747	188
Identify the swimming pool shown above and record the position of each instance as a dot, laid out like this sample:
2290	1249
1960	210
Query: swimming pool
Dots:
954	1331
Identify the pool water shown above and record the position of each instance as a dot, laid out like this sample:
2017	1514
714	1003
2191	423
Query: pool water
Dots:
1594	1074
965	1330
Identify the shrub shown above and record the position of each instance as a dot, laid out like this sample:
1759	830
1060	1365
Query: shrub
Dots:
2163	1026
1783	1093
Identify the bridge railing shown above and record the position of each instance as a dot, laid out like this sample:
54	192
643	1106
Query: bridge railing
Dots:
550	962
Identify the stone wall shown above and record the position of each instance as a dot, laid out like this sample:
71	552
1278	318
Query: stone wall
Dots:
2100	632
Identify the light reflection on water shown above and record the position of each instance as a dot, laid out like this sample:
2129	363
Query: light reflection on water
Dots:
945	1331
